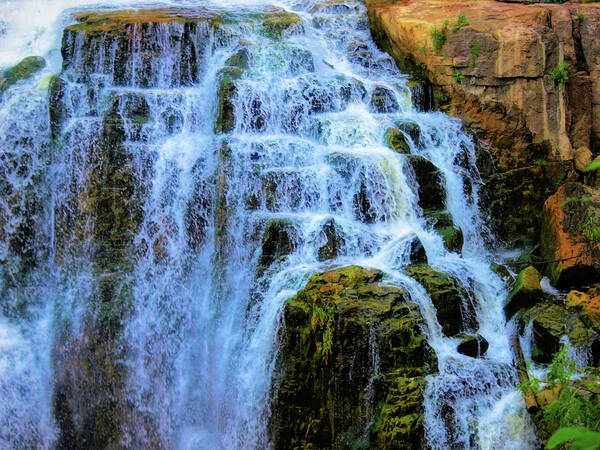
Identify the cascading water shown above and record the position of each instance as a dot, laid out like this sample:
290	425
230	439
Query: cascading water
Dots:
148	203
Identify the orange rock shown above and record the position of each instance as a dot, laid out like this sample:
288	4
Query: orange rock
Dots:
589	302
570	217
506	56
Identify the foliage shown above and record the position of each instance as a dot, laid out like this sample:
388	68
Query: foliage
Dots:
323	318
561	369
458	76
439	36
594	165
591	228
461	21
475	49
583	439
579	16
559	74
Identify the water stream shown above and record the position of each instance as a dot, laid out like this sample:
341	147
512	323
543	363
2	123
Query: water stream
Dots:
200	341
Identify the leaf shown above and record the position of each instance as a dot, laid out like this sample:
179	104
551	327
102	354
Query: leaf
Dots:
583	438
594	165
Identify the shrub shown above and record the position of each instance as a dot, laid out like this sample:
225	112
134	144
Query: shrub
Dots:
458	76
474	52
439	36
559	74
461	21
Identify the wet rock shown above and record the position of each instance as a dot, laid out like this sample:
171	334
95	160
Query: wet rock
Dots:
129	45
279	240
363	209
503	272
396	140
57	108
173	120
417	251
571	235
334	241
443	224
514	199
473	346
239	59
526	292
280	23
22	71
324	374
432	195
383	100
455	310
412	130
333	7
551	322
225	121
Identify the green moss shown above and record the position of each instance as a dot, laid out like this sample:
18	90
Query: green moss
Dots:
474	52
22	71
396	140
277	23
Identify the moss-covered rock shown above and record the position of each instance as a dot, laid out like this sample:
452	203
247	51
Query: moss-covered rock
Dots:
239	59
22	71
225	120
396	140
383	100
412	129
279	23
455	310
432	195
417	254
525	292
571	235
351	354
589	305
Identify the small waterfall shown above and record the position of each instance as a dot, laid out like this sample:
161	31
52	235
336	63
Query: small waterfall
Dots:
168	154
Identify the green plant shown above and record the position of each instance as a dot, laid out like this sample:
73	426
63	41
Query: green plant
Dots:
458	76
461	21
579	16
591	228
561	369
323	318
560	74
474	51
594	165
439	36
583	439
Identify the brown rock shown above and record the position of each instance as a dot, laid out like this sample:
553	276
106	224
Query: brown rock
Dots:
583	158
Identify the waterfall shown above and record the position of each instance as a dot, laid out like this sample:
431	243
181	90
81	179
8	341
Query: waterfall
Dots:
145	195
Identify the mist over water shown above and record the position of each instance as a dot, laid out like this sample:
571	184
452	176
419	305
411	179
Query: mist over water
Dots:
199	343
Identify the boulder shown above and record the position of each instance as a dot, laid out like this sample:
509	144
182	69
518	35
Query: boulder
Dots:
352	354
396	140
454	307
571	235
239	59
582	158
525	292
334	241
589	305
473	346
417	251
22	71
412	129
432	195
280	238
383	100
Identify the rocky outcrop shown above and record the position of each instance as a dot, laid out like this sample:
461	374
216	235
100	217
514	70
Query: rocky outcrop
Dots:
22	71
351	366
571	235
498	66
526	292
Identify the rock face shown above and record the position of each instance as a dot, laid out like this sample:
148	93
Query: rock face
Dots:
571	235
506	54
352	354
526	292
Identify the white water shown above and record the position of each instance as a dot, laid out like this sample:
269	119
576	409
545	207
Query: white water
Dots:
202	337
